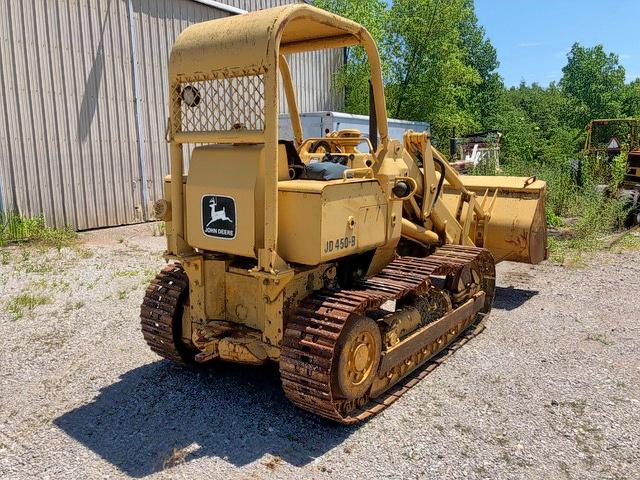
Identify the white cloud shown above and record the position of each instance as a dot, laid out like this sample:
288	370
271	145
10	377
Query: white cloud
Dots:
625	56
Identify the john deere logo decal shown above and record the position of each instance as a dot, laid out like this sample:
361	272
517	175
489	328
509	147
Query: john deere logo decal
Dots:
219	216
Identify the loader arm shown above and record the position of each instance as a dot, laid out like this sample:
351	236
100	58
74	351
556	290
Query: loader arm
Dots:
457	209
430	178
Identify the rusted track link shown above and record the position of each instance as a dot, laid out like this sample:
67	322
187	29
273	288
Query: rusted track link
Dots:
311	335
160	306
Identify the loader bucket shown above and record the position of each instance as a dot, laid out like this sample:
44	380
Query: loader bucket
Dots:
517	228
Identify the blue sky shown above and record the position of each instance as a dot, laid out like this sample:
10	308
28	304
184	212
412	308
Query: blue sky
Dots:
532	37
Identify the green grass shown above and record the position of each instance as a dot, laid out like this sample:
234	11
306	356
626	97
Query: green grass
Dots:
573	252
15	228
54	284
149	274
127	273
70	306
24	303
576	251
629	241
601	338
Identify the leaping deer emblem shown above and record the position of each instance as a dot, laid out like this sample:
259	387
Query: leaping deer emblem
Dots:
217	214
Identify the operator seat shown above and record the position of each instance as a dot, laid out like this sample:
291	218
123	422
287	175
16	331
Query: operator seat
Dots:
315	171
292	154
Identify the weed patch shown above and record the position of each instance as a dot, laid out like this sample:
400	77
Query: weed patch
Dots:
15	228
600	338
158	229
629	241
24	303
126	273
84	253
70	306
576	251
573	252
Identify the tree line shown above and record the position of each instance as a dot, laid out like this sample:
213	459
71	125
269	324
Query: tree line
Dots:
439	66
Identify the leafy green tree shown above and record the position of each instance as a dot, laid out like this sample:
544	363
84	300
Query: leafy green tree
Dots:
371	14
353	78
429	77
520	134
631	101
482	56
595	80
547	109
437	62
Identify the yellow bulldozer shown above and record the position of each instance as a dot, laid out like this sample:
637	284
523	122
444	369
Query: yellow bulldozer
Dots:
606	139
353	261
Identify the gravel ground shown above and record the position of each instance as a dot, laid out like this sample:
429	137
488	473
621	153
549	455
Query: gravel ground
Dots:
551	389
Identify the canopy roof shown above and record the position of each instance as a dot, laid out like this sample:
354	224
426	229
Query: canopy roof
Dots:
252	41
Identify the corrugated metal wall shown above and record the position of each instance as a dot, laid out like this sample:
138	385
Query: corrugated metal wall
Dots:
81	141
68	137
312	74
158	23
252	5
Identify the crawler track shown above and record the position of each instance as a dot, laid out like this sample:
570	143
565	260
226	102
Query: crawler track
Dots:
311	335
161	312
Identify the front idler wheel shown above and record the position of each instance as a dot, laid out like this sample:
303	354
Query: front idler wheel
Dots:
357	358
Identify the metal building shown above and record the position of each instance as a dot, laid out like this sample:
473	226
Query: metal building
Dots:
83	110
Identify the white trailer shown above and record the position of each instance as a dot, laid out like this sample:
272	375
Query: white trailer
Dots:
319	124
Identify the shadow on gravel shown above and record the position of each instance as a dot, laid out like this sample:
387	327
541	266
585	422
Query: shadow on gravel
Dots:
510	298
161	414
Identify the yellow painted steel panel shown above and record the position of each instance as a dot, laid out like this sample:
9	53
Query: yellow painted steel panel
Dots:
322	221
221	189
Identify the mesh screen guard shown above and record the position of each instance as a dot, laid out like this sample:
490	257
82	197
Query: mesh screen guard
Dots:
223	104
